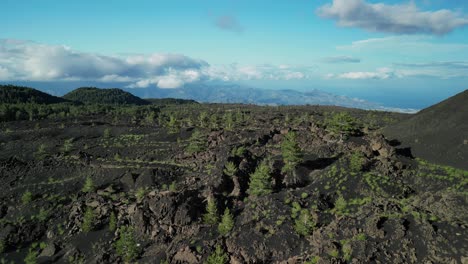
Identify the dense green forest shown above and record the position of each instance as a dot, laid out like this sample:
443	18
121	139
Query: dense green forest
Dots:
91	95
11	94
170	101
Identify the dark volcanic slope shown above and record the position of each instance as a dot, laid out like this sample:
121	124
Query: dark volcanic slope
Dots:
91	95
438	133
11	94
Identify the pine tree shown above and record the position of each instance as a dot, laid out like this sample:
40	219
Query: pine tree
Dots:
291	152
260	180
217	257
292	156
227	223
231	170
88	220
112	222
229	121
197	142
172	124
126	246
211	216
89	185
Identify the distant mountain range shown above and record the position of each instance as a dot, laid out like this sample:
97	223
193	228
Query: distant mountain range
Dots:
247	95
228	93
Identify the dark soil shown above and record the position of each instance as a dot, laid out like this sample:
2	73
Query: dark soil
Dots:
438	133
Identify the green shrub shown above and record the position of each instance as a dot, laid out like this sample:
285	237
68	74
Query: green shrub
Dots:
230	169
88	220
67	145
31	257
304	224
340	204
313	260
112	222
88	185
41	152
334	253
27	197
217	257
347	251
43	215
260	181
238	152
356	161
140	194
211	215
126	246
296	209
227	223
342	123
361	237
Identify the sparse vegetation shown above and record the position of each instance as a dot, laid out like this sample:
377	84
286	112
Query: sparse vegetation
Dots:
356	161
27	197
126	246
105	168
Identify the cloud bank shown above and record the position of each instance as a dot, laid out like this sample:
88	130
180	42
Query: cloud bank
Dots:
398	19
31	61
380	74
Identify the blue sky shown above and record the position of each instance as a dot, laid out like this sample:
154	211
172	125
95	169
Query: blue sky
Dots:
375	50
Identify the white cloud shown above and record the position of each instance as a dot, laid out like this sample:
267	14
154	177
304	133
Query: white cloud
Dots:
380	74
399	18
170	81
25	60
173	79
236	72
404	44
30	61
440	70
